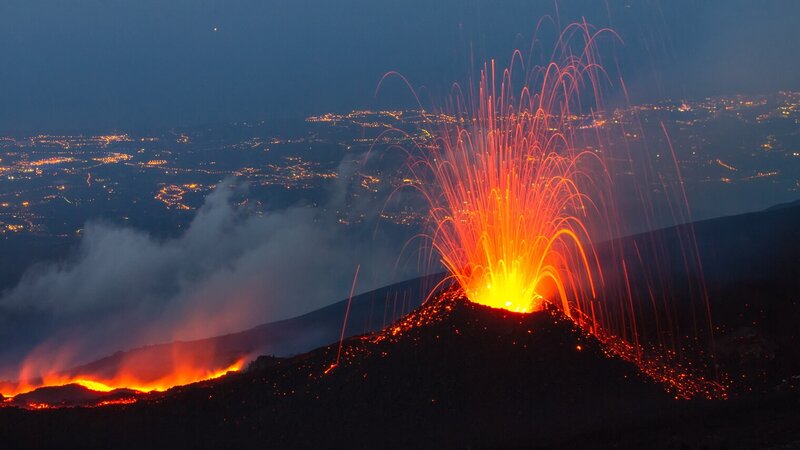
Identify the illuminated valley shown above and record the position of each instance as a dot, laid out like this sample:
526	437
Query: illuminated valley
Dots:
53	184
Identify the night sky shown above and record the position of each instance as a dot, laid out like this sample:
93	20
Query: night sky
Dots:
96	64
176	201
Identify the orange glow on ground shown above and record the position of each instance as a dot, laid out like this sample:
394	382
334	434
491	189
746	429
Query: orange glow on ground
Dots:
180	377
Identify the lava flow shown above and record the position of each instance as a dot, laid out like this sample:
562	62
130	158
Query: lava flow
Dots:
136	373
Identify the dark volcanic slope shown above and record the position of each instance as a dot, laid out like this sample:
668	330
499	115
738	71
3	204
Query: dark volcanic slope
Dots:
751	264
462	376
466	375
369	312
477	377
751	272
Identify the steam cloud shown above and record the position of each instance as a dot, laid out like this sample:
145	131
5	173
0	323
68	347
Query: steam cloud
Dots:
228	271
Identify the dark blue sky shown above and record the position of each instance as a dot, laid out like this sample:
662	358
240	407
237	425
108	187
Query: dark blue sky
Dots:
156	63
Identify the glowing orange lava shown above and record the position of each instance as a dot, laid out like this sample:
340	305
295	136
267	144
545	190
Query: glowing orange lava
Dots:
152	368
522	182
508	192
125	379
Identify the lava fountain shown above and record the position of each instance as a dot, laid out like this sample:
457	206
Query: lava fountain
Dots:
510	215
522	183
510	194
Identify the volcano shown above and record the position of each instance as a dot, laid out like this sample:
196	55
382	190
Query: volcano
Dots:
456	374
451	373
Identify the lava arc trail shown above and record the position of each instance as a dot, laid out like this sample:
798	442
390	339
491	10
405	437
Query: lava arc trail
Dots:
510	215
511	196
521	187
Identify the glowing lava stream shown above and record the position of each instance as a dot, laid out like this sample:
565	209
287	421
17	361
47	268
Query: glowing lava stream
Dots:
180	377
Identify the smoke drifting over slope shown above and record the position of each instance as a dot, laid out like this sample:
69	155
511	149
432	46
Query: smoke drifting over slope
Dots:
231	269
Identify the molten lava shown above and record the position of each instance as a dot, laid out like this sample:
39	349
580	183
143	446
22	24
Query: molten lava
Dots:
509	192
133	378
522	182
510	231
